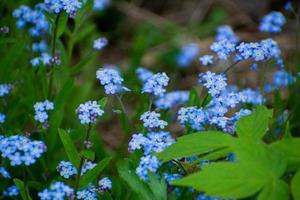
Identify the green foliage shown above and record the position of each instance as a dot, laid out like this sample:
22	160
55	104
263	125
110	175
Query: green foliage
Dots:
295	185
23	189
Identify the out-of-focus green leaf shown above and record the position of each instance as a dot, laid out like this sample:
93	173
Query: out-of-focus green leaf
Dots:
88	154
278	190
194	99
295	186
23	191
157	186
62	24
102	102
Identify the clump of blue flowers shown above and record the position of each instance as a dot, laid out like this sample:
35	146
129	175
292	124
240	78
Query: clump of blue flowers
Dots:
223	49
21	150
152	119
172	99
100	43
156	84
44	58
88	193
187	54
41	109
5	89
143	74
66	169
104	185
89	112
272	22
225	32
57	190
11	191
214	83
34	19
111	79
69	6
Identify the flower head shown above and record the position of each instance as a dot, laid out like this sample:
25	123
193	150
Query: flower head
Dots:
156	84
88	112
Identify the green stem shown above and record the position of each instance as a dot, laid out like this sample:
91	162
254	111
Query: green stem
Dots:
121	104
87	136
53	54
150	103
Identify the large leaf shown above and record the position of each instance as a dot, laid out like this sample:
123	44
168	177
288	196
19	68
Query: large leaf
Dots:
134	182
295	186
93	173
226	180
61	24
70	149
278	190
254	126
23	190
290	148
157	186
195	144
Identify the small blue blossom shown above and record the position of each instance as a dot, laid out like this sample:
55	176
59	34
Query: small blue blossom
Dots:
272	22
104	185
88	112
156	84
11	191
143	74
2	118
5	89
193	116
214	83
288	6
100	43
4	173
206	60
223	49
57	191
41	46
151	120
100	4
88	193
69	6
41	109
187	54
87	166
225	32
66	169
137	142
282	78
111	79
44	59
21	150
172	99
147	163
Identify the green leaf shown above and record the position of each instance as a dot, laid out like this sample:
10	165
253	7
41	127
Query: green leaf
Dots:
254	126
24	191
278	190
287	132
194	99
157	186
195	144
295	186
102	102
69	147
290	148
88	154
225	180
82	63
134	182
61	24
214	155
93	173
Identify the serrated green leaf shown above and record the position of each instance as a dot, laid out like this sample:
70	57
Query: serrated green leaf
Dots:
194	98
225	180
278	190
69	147
295	186
24	191
157	186
88	154
61	24
196	144
133	181
93	173
255	125
102	102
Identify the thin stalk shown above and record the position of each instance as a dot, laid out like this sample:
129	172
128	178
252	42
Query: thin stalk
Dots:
150	103
121	104
87	136
53	54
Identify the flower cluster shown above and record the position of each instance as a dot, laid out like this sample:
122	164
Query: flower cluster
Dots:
34	18
2	118
272	22
11	191
282	78
111	80
41	109
214	83
187	54
172	99
153	142
100	43
21	150
156	84
225	32
100	4
192	115
57	190
143	74
206	60
88	193
66	169
105	184
5	89
69	6
4	173
88	112
44	58
151	120
223	49
41	46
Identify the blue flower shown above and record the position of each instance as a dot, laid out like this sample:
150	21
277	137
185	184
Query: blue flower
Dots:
88	193
206	59
2	118
215	83
4	173
100	4
143	74
288	6
11	191
223	49
187	54
151	120
172	99
282	78
57	190
21	150
5	89
156	84
69	6
105	184
41	109
66	169
100	43
88	112
147	163
225	32
272	22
